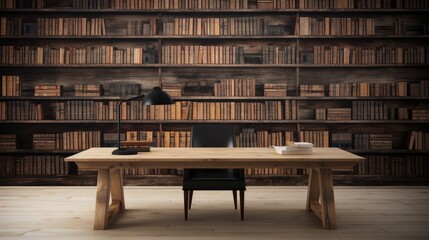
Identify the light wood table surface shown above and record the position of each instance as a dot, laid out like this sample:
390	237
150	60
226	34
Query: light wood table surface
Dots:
320	196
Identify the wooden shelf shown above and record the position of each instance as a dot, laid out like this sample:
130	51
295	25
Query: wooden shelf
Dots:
215	121
364	121
218	98
217	37
144	121
214	66
150	75
214	11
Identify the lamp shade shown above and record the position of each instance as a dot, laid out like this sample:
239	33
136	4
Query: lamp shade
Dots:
157	96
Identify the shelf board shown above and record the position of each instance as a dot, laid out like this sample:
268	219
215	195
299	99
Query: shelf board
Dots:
213	65
214	121
363	121
66	98
214	98
214	11
217	37
144	121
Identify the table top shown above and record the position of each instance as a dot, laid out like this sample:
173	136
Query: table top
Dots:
102	158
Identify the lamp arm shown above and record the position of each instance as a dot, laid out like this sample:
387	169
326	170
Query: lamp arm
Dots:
119	111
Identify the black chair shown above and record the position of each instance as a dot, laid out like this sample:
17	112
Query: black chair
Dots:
213	135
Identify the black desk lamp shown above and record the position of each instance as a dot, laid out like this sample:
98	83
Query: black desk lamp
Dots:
155	97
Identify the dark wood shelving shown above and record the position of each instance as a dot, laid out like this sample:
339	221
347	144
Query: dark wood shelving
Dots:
159	74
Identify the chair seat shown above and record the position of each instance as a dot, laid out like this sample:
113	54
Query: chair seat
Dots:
214	185
214	174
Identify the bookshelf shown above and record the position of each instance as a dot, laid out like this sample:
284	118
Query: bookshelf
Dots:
337	73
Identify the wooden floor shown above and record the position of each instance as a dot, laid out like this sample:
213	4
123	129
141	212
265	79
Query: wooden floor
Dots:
271	213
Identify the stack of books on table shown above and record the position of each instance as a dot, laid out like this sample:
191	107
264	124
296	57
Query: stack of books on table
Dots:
295	148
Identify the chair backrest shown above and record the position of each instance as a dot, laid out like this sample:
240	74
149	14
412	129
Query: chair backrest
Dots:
212	135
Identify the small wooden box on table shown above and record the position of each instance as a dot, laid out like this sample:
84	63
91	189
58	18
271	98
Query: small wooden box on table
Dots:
320	199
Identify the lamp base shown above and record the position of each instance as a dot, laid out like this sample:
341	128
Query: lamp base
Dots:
130	151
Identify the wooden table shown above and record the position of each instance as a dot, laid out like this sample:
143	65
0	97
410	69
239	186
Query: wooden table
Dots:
320	197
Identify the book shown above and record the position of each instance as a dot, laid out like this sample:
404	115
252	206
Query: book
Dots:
295	148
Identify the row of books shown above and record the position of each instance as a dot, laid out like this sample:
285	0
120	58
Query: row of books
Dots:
48	90
361	140
231	26
33	165
228	54
369	110
388	165
362	4
200	55
141	28
398	89
311	90
213	55
160	4
247	137
87	90
275	89
366	111
235	87
173	89
370	55
320	138
419	140
216	4
71	55
250	137
189	110
21	110
71	26
181	110
333	114
13	26
278	55
420	114
372	141
7	141
267	110
75	140
11	86
336	26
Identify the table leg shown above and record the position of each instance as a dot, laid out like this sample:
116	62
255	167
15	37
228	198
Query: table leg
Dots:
102	199
313	193
117	189
320	197
327	202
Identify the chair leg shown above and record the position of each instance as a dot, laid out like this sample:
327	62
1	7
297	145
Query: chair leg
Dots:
242	204
185	202
234	194
191	193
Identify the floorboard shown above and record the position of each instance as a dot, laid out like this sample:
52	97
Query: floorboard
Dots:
270	213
